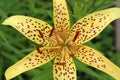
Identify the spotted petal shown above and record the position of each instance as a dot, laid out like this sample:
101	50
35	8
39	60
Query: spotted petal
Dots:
33	60
95	59
64	68
91	25
61	18
34	29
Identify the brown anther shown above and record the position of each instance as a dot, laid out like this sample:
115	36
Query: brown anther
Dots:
41	34
57	63
76	35
72	54
51	32
38	49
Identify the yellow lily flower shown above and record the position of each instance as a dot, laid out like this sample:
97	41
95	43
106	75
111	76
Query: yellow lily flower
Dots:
62	42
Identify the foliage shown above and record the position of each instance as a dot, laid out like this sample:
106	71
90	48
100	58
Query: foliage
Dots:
14	46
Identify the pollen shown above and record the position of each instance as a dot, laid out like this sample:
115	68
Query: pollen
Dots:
72	54
37	48
76	35
51	32
41	34
58	63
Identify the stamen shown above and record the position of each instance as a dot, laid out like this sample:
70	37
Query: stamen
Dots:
38	49
72	54
76	35
57	63
57	39
41	34
51	32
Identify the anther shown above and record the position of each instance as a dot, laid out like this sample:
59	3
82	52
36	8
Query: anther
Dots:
76	35
41	34
38	49
51	32
72	54
57	63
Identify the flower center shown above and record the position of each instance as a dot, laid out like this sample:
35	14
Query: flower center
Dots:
63	43
64	46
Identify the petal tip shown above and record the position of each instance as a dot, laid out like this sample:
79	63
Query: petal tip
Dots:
9	20
4	22
8	74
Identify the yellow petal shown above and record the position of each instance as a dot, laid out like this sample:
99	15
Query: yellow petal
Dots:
61	18
34	29
91	25
33	60
95	59
64	68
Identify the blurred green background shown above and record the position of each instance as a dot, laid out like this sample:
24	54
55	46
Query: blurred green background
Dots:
14	46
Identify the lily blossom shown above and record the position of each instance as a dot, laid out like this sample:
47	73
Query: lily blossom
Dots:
63	42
